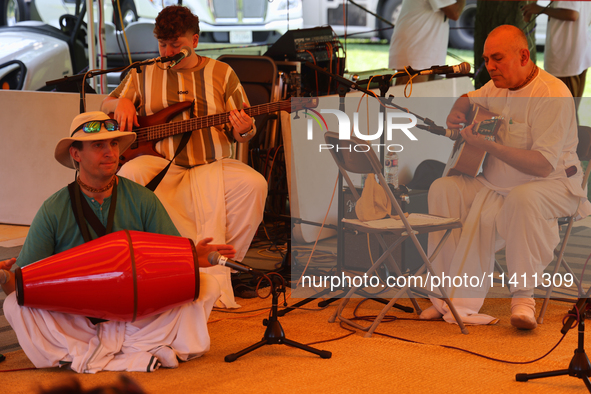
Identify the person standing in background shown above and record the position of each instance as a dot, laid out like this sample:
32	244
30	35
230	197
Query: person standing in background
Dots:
421	35
567	54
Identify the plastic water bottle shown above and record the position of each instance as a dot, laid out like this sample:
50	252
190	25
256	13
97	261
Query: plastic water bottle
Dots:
363	178
391	168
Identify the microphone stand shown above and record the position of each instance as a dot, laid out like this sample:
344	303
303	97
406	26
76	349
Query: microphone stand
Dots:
383	81
345	86
579	366
274	334
77	79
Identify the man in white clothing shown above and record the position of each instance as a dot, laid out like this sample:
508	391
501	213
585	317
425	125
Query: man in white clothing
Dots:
567	53
421	33
531	176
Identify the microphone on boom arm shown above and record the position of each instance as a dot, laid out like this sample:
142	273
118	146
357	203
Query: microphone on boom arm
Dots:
175	59
462	68
453	134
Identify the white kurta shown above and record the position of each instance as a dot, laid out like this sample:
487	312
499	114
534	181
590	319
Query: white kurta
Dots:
504	207
224	200
51	339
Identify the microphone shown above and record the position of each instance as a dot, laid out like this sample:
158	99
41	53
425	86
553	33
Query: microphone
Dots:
176	59
462	68
215	258
453	134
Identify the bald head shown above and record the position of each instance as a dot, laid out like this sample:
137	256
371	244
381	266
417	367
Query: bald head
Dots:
506	56
511	36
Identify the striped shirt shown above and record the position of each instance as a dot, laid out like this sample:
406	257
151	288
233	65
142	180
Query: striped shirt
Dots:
212	86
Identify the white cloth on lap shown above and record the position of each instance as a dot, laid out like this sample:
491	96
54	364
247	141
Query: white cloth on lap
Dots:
53	338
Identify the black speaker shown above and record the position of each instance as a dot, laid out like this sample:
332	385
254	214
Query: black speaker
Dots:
293	44
318	45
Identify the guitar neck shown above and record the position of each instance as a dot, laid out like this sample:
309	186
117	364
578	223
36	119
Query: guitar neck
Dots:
161	131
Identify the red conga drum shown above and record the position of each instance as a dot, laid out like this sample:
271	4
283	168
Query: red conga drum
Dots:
124	276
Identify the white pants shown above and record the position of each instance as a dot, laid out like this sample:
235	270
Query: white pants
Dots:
524	222
49	338
224	200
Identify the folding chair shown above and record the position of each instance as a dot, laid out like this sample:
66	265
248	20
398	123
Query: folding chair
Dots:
584	153
142	43
260	79
349	160
142	46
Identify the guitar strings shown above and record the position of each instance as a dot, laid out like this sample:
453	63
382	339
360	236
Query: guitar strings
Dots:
164	130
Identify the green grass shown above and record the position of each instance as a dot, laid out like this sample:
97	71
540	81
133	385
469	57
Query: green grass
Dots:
365	55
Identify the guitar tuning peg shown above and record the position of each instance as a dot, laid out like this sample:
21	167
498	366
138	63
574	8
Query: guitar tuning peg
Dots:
297	116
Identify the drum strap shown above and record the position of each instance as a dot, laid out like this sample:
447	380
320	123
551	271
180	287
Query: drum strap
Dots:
153	184
83	211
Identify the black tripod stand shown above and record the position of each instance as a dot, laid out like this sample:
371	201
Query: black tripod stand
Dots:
579	366
274	334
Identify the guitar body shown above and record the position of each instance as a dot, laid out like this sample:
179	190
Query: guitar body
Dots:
467	159
147	147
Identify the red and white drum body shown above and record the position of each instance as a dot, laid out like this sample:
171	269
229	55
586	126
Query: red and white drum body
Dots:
124	276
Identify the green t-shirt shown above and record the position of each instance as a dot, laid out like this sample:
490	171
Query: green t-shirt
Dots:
54	228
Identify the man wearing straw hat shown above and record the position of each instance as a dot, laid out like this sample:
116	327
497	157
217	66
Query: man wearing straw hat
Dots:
53	339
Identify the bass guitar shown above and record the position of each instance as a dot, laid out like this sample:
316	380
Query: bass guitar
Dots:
154	128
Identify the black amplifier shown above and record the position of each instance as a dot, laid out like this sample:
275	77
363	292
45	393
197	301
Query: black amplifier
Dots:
320	46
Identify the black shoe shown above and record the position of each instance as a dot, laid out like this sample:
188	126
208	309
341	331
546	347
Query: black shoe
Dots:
243	291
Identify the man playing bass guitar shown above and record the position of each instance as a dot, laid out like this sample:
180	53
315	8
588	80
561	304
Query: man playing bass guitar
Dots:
204	191
531	176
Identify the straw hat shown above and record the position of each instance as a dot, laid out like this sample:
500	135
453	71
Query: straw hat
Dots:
62	150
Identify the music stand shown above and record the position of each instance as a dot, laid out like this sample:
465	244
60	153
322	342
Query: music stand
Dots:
579	366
